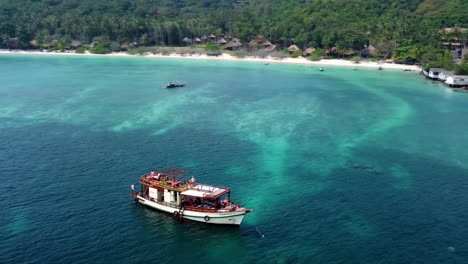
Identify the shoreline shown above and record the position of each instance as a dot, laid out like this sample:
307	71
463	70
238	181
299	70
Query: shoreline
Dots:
228	57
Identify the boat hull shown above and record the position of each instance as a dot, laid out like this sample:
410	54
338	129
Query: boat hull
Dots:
219	218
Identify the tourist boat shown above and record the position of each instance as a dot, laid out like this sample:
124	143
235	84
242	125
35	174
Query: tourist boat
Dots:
168	192
174	85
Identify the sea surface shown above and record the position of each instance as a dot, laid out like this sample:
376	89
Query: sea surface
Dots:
339	166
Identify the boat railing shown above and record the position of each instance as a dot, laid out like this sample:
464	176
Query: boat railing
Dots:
176	185
232	207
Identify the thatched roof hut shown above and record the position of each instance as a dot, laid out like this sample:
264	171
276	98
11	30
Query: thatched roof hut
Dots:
75	43
293	48
222	41
266	44
258	41
197	40
308	51
204	38
233	45
92	44
253	42
34	43
128	45
187	40
211	36
332	50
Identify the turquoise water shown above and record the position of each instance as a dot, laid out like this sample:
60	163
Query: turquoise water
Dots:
340	166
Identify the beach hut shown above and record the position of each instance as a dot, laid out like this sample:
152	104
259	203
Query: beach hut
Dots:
187	41
266	44
257	41
75	43
203	38
197	40
34	43
211	37
222	41
233	44
308	52
253	43
293	48
332	51
92	44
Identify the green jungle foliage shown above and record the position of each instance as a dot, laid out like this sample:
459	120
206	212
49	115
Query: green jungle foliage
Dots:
81	49
296	53
404	30
461	69
101	48
211	47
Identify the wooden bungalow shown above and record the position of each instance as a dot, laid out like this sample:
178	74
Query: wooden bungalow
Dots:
222	41
308	52
92	44
266	44
211	37
187	41
75	43
368	51
293	48
197	40
233	44
34	43
204	38
253	43
332	51
257	41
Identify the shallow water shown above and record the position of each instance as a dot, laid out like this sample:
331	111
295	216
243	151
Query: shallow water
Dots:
340	166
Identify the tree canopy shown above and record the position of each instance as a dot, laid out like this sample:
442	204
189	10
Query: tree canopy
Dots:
399	28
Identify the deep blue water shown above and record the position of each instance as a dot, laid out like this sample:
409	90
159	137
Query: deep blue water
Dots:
340	166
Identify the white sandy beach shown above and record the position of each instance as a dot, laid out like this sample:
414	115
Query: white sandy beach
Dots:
228	57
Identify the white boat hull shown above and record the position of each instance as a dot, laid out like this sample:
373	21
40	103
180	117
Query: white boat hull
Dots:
221	218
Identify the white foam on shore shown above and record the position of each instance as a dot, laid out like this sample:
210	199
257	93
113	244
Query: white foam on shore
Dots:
228	57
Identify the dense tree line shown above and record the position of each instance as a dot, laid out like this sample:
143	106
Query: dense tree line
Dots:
408	30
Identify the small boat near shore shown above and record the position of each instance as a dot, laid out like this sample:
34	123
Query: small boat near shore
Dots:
166	191
174	85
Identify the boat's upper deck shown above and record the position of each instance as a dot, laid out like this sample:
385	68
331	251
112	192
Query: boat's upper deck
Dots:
204	191
188	188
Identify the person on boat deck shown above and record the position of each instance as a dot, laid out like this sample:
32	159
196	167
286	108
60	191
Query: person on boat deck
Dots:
225	202
152	173
158	175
